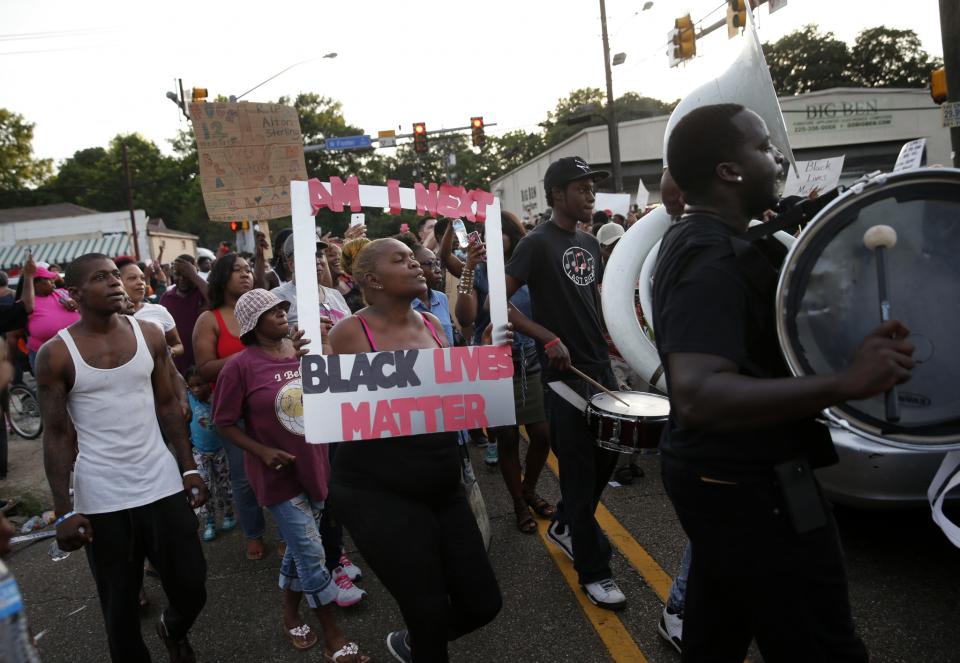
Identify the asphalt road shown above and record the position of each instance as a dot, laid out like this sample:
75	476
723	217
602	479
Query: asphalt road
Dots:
904	584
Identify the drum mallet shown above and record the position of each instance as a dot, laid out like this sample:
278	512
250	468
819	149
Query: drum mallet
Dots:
878	239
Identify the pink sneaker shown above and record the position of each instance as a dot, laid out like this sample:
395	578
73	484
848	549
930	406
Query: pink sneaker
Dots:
348	594
352	570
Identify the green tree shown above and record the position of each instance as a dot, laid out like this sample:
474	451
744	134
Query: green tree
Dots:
581	108
512	149
586	107
806	60
19	169
885	57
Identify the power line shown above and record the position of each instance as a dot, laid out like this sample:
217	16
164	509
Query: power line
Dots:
79	32
59	50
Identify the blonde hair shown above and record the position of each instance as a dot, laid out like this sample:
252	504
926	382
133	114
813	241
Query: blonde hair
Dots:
349	253
365	261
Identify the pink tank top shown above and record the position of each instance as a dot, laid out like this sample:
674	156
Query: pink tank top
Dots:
373	345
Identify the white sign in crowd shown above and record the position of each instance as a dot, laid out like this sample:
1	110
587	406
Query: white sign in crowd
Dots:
403	392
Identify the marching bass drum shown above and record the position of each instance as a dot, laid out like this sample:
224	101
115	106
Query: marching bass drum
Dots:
827	300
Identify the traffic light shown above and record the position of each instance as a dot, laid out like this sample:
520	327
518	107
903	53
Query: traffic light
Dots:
737	15
938	85
237	226
234	226
420	137
683	41
476	128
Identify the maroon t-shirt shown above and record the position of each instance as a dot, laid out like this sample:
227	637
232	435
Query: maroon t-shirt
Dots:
266	393
185	309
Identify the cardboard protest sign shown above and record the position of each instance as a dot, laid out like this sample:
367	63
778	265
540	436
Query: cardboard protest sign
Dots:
618	203
911	155
820	175
403	392
248	154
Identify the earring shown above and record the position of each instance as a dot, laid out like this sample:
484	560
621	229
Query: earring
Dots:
739	178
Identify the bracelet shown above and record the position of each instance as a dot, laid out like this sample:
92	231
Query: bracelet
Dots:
69	514
550	344
189	472
465	285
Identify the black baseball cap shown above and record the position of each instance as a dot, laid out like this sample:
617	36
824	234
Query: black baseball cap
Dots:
568	169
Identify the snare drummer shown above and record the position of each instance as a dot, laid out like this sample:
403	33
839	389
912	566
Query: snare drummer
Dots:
742	436
562	267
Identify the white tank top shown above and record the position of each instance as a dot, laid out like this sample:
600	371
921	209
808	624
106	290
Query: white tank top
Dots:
123	462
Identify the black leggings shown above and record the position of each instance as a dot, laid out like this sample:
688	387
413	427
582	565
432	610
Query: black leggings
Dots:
430	556
165	532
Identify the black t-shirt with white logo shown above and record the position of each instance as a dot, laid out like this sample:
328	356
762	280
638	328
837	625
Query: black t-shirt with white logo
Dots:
563	271
721	301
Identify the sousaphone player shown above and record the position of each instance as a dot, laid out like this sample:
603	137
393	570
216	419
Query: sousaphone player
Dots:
742	439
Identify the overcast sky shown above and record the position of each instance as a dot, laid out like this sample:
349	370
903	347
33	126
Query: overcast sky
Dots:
85	71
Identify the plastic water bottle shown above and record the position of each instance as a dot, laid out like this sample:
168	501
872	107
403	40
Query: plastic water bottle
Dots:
15	642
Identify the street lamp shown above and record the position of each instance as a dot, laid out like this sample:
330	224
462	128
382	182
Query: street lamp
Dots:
328	56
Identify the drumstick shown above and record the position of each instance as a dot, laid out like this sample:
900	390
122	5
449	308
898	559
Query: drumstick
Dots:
878	239
597	385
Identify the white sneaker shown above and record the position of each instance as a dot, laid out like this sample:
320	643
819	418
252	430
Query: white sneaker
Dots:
353	571
605	594
670	628
348	594
560	535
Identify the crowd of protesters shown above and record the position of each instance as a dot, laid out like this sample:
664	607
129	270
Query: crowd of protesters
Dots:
211	371
221	331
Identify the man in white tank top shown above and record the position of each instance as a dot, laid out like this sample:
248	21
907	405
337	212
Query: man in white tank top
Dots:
106	395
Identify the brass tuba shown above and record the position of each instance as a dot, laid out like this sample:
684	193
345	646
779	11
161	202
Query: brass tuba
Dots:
747	82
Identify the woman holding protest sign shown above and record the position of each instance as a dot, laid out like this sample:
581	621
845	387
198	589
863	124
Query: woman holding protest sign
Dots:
261	386
401	498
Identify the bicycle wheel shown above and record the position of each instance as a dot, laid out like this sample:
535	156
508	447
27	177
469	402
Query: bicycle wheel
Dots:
25	412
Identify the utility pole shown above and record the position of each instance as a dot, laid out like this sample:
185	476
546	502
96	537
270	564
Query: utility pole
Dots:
949	29
613	132
133	218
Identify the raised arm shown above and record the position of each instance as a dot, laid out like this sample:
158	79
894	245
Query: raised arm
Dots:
28	296
170	414
466	306
189	270
54	379
450	261
260	262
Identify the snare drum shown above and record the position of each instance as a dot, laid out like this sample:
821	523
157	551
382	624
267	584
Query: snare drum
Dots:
627	428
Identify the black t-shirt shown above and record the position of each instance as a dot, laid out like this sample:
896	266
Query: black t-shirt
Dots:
563	270
715	294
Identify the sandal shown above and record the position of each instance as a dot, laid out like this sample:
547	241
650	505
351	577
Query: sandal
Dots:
256	553
540	506
301	637
349	649
525	520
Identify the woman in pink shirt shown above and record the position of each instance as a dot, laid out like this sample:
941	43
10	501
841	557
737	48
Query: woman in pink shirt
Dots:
49	309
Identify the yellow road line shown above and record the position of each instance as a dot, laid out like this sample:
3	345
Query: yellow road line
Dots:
608	626
640	559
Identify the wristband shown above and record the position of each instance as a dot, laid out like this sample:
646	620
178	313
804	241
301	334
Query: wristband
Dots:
69	514
189	472
550	344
